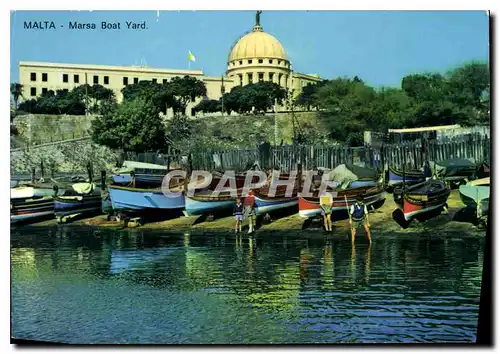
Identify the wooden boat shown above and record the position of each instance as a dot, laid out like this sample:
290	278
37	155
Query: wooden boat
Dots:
81	198
395	177
264	203
310	206
140	200
204	201
476	195
145	174
30	209
454	171
421	201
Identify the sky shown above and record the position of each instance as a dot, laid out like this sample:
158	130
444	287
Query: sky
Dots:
380	47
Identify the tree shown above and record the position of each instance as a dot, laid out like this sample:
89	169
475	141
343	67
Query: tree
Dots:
208	106
260	96
185	90
16	90
306	98
133	126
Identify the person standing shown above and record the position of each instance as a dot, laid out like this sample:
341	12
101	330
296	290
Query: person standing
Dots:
249	208
238	215
359	216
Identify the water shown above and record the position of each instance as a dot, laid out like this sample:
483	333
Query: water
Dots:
78	286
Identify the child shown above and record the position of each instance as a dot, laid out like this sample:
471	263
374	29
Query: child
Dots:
249	206
238	215
326	210
359	216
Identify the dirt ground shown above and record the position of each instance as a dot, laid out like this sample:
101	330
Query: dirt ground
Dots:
380	220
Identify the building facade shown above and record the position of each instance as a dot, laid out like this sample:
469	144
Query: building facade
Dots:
256	56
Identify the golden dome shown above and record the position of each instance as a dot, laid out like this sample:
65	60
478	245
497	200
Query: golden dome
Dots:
257	44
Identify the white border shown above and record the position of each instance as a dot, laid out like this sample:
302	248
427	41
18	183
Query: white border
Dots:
213	5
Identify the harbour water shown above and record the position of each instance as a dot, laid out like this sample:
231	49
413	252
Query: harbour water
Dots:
78	285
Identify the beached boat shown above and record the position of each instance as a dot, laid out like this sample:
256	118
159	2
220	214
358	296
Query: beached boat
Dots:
396	177
421	201
476	195
81	198
139	200
266	203
140	173
310	206
455	171
29	209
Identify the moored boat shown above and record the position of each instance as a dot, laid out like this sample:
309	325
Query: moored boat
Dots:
310	206
421	201
140	173
476	195
29	209
396	177
81	198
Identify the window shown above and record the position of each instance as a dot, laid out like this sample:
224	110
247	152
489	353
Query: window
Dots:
250	61
241	79
250	78
125	81
136	80
96	79
76	78
155	81
65	77
33	76
271	77
165	81
44	90
261	61
261	77
270	61
33	91
279	62
241	62
106	80
44	77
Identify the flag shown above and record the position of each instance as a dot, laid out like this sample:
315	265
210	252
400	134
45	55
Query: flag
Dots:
191	56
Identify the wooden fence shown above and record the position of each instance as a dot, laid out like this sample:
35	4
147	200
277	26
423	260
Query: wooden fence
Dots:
286	158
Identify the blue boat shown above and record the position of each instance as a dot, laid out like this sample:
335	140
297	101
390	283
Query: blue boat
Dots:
264	206
140	173
200	204
80	199
410	177
140	200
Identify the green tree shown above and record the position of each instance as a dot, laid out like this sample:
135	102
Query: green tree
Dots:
184	90
208	106
306	98
16	90
133	126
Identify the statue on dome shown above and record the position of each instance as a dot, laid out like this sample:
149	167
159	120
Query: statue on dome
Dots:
257	18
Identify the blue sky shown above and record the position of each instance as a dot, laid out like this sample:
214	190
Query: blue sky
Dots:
380	47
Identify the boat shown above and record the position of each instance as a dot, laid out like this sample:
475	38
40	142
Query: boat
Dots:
143	200
421	201
396	177
139	172
372	195
476	195
455	171
205	201
81	198
22	210
264	203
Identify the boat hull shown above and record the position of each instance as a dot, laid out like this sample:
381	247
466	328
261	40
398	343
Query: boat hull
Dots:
31	209
131	199
411	211
311	208
396	177
206	206
64	206
263	206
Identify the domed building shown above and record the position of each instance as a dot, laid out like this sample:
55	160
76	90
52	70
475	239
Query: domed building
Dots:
258	56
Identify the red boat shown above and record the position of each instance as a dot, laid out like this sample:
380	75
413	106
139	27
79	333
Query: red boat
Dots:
421	201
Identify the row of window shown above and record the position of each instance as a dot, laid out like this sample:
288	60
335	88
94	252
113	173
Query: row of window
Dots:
260	77
44	91
260	61
76	79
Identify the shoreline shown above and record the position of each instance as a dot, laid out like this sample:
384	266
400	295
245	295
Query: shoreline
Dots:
381	223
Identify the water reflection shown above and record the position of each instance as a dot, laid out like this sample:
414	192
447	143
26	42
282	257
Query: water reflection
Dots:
299	291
